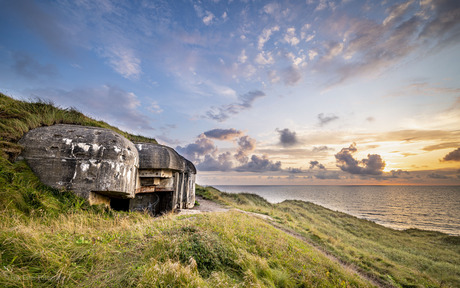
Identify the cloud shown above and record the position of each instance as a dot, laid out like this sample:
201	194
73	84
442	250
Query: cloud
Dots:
123	61
398	173
108	102
442	146
295	170
419	135
290	37
291	75
155	108
315	163
271	8
373	165
437	176
452	156
265	36
223	134
323	119
224	112
327	175
321	149
369	47
264	58
287	137
245	145
273	77
30	68
259	164
222	163
196	151
242	58
207	20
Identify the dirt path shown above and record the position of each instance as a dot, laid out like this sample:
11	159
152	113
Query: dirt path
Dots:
211	206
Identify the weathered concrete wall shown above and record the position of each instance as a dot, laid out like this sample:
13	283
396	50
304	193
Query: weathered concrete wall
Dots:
173	171
155	156
85	160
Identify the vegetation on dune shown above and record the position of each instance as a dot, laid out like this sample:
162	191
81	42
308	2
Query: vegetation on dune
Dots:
51	238
18	117
410	258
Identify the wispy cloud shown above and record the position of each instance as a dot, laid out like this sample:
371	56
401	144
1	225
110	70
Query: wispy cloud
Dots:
222	113
123	61
326	119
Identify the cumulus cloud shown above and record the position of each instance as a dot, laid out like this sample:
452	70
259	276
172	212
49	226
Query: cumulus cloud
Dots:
315	163
326	119
265	36
196	151
259	164
224	112
372	165
207	19
222	163
246	144
223	134
264	58
25	65
287	137
290	36
452	156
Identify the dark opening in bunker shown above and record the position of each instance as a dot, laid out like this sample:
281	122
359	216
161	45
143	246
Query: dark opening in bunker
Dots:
165	204
119	204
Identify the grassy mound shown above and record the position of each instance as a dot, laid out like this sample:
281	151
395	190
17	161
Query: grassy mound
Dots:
51	238
18	117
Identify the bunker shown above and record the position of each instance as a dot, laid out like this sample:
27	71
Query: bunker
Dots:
167	180
95	163
106	168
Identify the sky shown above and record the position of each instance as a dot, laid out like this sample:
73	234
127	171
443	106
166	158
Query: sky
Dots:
312	92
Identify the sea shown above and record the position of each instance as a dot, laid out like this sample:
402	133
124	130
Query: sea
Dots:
435	208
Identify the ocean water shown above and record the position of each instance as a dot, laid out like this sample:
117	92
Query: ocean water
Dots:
435	208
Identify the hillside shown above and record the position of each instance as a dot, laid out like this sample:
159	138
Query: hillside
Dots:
51	238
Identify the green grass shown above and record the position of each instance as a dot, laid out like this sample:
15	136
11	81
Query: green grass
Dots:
51	238
411	258
18	117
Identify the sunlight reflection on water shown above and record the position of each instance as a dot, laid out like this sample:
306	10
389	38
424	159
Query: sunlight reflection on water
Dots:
400	207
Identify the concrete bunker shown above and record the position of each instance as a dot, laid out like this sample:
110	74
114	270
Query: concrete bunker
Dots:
106	168
166	180
95	163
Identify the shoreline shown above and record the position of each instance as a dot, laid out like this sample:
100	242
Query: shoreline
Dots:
375	217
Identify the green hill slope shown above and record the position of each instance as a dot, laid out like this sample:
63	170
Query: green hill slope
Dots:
51	238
